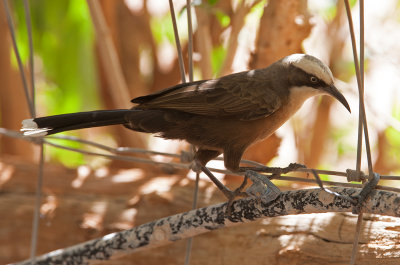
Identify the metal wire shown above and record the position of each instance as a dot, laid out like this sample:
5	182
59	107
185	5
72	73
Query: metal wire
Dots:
38	200
190	64
362	119
190	39
177	42
28	22
11	27
30	99
114	154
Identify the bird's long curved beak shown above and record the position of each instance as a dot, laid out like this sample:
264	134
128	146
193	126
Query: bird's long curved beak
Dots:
334	92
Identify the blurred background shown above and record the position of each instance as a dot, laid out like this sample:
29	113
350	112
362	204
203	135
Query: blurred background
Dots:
229	36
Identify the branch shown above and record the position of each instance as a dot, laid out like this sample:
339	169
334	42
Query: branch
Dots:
180	226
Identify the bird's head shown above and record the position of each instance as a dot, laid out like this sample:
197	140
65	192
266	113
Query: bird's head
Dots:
311	75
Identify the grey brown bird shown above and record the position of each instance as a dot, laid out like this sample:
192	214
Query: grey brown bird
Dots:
224	115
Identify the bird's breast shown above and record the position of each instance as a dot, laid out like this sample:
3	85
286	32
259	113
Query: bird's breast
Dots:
297	97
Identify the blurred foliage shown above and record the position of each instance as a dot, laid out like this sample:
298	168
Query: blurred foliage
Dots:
258	9
328	9
343	148
393	137
162	29
63	42
223	19
329	13
67	69
217	58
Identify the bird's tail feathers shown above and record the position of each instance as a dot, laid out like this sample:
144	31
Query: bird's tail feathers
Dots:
66	122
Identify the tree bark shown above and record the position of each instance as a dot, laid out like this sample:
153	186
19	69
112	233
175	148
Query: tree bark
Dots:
81	206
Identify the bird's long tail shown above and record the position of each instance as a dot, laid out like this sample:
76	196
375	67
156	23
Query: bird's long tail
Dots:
65	122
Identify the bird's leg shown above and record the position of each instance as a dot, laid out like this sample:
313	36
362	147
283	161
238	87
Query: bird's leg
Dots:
230	195
236	193
201	158
262	185
226	191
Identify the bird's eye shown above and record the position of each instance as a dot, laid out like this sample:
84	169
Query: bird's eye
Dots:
313	79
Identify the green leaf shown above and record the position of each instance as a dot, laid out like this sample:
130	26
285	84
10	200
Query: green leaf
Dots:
63	40
223	18
217	58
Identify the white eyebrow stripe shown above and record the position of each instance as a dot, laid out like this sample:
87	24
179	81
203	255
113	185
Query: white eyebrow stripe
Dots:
310	65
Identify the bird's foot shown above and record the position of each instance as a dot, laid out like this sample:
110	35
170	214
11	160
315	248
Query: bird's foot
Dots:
262	188
232	195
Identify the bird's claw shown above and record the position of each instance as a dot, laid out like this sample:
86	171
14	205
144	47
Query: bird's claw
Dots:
232	195
262	188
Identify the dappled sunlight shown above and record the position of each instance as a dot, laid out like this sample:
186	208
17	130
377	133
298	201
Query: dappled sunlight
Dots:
49	206
6	172
93	219
131	175
82	173
159	185
125	220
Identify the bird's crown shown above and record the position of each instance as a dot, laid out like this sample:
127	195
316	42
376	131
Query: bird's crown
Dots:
310	65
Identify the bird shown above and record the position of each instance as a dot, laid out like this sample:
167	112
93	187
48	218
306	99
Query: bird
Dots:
218	116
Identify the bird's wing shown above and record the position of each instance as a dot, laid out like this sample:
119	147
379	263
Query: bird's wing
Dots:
242	95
